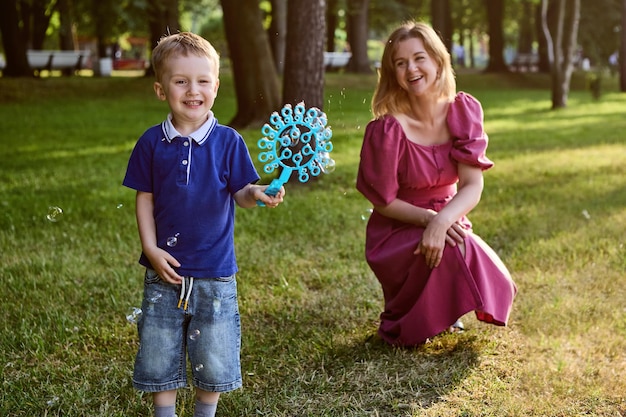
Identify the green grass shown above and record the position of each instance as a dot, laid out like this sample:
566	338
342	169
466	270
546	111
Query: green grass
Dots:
554	208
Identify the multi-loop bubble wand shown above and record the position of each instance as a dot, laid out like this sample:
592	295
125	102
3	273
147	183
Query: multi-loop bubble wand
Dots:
297	140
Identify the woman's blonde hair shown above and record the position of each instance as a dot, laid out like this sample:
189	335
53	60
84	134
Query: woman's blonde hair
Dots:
389	97
183	43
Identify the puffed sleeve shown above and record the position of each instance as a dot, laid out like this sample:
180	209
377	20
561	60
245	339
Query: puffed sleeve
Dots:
465	122
377	177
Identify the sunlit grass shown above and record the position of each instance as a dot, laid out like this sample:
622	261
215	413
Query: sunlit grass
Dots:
554	207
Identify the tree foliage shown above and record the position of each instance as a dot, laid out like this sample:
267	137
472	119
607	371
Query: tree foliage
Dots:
511	25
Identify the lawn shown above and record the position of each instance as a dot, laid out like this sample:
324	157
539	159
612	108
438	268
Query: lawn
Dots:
554	208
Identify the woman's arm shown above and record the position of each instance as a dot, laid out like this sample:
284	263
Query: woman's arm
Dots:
470	187
408	213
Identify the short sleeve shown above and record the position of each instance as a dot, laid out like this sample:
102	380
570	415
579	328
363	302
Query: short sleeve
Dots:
465	122
139	170
242	169
377	177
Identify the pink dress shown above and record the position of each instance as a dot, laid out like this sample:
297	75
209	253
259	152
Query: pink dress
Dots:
421	302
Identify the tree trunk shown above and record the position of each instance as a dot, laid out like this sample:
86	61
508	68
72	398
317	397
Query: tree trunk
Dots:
67	41
525	44
277	33
13	42
66	30
304	61
34	21
562	40
357	36
332	22
256	81
472	52
442	20
542	43
622	53
163	19
495	17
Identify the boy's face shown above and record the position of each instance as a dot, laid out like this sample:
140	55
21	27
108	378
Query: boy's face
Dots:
189	84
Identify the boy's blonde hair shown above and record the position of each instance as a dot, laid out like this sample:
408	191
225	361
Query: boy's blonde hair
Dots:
183	43
389	97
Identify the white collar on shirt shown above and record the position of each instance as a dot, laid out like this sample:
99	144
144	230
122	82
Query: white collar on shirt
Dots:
199	136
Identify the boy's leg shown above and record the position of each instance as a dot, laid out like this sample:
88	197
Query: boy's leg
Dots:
206	403
164	403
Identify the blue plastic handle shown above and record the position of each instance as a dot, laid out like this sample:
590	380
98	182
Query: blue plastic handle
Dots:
276	183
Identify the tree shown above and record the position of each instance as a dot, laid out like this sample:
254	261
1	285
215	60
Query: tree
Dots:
495	17
332	23
441	16
599	34
385	13
256	80
622	53
277	33
163	19
13	42
304	59
542	43
357	36
562	44
35	18
469	21
67	35
525	42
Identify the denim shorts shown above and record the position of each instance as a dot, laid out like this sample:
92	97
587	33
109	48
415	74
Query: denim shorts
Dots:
208	331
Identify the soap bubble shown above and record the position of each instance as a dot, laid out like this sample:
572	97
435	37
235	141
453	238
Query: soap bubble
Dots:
199	367
119	206
172	240
194	334
133	316
366	215
54	213
329	166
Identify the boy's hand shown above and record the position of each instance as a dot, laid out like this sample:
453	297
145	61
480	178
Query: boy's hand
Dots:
268	200
248	196
162	263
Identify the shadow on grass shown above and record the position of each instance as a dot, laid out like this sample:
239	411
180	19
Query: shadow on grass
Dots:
309	366
395	380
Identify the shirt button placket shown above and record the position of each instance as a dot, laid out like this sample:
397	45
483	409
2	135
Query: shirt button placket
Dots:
183	155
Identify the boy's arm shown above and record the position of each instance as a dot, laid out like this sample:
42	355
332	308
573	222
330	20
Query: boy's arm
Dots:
160	259
248	196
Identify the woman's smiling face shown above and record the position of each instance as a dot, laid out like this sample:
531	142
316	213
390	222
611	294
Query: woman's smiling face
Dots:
416	71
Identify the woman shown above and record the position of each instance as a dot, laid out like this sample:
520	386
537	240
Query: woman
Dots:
421	168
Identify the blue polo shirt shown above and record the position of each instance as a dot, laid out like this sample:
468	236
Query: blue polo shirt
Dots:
193	180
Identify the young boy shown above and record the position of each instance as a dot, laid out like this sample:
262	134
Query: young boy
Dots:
189	172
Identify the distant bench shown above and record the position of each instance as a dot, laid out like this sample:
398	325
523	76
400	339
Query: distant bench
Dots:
336	59
525	62
57	60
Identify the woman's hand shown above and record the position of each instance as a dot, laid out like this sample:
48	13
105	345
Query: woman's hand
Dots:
435	237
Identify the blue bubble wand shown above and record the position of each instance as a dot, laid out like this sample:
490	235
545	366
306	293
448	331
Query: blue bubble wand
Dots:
297	140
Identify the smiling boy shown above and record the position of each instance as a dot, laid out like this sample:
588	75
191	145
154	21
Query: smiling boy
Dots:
189	173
